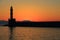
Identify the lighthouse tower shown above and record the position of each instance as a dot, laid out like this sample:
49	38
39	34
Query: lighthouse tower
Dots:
11	20
11	12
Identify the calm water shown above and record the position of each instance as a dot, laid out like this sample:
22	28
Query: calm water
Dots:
30	33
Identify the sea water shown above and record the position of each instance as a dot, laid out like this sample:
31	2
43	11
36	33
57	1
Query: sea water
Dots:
30	33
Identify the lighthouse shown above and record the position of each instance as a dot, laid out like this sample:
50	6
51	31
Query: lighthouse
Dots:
11	20
11	12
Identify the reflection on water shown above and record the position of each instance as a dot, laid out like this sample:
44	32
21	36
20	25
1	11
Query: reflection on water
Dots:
30	33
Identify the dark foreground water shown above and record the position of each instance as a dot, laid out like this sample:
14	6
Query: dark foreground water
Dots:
30	33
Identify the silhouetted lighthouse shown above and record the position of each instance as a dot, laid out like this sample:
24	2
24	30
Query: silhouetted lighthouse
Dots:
11	12
11	20
11	23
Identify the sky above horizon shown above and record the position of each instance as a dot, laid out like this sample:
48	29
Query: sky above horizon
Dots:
33	10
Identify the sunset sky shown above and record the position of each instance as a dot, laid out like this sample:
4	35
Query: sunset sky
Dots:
33	10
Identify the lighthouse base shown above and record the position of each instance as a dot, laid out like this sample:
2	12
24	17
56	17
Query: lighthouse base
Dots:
11	22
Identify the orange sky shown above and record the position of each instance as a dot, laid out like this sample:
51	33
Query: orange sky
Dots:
33	10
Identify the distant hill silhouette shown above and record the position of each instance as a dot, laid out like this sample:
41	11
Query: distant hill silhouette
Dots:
36	24
39	24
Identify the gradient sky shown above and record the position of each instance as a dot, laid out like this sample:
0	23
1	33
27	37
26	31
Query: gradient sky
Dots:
33	10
